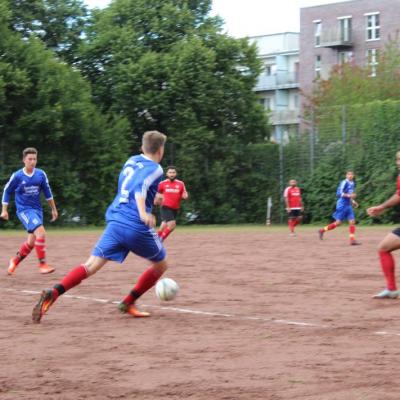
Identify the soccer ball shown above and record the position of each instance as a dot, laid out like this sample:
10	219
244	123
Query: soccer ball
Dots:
166	289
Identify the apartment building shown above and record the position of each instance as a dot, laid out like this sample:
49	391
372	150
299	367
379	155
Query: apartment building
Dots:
350	31
278	84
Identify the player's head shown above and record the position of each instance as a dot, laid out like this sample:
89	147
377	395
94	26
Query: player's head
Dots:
171	172
153	143
349	175
398	159
29	158
292	182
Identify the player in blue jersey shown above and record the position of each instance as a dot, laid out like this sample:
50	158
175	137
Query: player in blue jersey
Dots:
344	208
27	185
130	226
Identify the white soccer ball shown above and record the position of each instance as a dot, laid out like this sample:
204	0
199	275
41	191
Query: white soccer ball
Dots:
166	289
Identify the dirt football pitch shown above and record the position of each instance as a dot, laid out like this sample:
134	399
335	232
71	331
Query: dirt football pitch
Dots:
260	315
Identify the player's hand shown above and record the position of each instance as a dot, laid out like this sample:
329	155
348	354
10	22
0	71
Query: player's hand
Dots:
4	215
54	214
375	211
353	195
149	220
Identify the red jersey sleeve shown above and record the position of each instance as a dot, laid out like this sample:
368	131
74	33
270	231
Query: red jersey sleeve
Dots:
398	185
160	187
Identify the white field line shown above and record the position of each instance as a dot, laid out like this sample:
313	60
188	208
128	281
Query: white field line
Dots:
207	313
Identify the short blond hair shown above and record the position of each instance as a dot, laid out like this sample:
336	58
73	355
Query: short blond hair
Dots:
152	141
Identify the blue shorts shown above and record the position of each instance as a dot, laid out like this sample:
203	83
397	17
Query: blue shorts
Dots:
31	219
344	213
118	240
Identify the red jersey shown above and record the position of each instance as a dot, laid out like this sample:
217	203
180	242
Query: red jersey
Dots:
172	192
293	195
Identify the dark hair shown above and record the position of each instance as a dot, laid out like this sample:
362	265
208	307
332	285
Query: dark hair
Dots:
171	167
29	150
152	141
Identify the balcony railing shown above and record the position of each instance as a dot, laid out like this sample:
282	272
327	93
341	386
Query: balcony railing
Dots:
336	38
279	80
285	117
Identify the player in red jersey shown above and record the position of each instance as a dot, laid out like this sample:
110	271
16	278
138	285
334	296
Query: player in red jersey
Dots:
294	205
390	243
170	193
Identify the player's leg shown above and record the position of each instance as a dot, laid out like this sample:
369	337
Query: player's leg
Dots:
352	232
390	243
40	247
145	282
73	278
149	246
168	216
329	227
30	223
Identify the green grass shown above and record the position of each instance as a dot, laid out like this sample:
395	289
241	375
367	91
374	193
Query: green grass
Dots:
182	229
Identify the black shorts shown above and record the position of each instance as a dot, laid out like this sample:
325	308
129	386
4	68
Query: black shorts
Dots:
396	231
168	214
294	214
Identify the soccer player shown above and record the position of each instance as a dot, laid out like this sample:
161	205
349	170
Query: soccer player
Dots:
344	208
129	227
170	193
389	244
294	205
27	184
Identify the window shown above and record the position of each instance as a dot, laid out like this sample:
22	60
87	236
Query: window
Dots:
345	29
270	69
372	56
296	101
345	57
317	33
317	67
372	26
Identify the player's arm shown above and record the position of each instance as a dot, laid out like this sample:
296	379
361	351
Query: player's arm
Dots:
147	218
185	194
9	189
49	197
378	210
286	198
158	199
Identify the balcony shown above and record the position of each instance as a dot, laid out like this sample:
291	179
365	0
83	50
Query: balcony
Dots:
336	38
280	80
285	117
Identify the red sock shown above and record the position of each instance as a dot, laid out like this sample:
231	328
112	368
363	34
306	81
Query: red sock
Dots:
147	280
295	222
388	267
291	225
72	279
23	251
330	227
40	247
352	230
164	233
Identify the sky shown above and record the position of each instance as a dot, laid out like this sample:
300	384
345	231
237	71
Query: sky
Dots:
254	17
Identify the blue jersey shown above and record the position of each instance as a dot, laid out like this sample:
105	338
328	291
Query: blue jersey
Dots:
345	187
139	176
27	189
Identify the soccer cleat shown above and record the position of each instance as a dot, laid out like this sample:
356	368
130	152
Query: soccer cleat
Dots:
387	294
355	243
45	269
321	234
44	303
12	266
132	310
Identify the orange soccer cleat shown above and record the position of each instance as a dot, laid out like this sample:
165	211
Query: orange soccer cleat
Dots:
44	303
12	266
132	310
45	269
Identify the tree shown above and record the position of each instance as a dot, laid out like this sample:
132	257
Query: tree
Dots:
166	65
